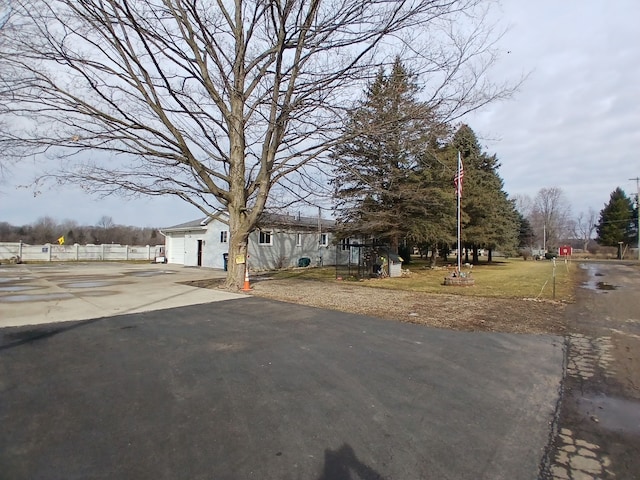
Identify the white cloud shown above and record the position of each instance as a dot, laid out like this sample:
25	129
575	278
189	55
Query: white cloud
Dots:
575	123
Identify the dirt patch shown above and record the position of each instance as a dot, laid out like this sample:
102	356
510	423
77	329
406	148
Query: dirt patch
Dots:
442	311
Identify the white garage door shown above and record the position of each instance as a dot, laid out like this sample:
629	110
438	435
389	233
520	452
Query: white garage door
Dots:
175	249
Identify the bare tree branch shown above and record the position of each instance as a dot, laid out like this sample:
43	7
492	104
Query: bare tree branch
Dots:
217	101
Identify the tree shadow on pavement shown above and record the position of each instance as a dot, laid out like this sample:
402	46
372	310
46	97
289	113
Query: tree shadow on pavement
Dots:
11	337
341	463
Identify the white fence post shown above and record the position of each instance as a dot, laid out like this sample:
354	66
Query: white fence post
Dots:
49	252
77	245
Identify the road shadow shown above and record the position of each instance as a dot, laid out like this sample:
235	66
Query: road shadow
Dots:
12	337
340	464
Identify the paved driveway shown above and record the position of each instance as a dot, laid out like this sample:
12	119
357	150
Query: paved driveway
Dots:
55	292
252	388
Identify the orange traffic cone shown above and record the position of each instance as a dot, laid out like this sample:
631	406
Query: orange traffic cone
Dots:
246	287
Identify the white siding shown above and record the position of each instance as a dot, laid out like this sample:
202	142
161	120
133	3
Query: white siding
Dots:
213	249
191	247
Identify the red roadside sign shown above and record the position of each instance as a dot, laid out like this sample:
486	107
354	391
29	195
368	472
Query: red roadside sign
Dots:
565	251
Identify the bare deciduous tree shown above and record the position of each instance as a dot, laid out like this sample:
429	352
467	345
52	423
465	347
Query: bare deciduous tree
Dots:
45	230
105	222
215	102
5	12
584	227
523	204
550	216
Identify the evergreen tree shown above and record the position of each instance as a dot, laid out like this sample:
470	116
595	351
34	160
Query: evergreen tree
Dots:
490	219
526	234
617	221
389	171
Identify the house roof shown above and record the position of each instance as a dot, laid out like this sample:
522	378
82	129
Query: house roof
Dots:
198	224
295	221
192	225
267	220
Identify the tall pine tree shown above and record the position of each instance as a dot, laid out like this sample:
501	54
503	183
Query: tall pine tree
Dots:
389	171
617	221
490	219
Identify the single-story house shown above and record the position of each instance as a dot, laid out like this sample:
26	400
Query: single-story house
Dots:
280	241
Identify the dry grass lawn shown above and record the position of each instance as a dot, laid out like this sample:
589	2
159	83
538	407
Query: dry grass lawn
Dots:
508	296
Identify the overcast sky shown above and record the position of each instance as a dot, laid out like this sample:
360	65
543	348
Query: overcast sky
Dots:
574	124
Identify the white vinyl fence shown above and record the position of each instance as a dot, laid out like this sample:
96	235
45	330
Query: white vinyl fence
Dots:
17	251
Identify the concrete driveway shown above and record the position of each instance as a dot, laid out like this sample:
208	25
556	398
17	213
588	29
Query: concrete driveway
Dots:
252	388
42	293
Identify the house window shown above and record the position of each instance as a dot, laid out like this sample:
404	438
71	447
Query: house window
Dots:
324	239
298	239
345	244
224	237
265	238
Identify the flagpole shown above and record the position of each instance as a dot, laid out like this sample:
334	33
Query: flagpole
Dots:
458	195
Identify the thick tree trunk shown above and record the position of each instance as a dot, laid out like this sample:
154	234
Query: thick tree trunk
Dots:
235	270
238	250
475	255
434	255
489	256
395	243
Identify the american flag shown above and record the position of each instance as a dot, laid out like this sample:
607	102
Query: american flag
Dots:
457	180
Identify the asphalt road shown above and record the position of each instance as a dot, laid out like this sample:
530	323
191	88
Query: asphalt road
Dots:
252	388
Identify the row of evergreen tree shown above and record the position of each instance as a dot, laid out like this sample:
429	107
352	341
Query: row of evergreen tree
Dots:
394	175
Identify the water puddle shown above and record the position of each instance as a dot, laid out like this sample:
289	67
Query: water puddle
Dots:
605	286
66	279
14	279
96	293
17	288
616	414
593	283
39	297
149	273
88	284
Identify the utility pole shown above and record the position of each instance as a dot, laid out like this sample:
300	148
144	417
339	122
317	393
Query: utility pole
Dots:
637	179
